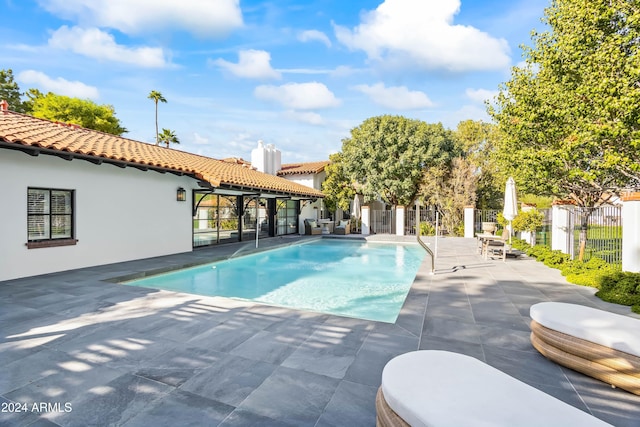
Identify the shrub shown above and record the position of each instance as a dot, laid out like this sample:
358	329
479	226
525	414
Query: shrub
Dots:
229	224
529	220
427	229
621	287
614	286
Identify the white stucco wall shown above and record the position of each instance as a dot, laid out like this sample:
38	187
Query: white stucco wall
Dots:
308	180
120	214
309	210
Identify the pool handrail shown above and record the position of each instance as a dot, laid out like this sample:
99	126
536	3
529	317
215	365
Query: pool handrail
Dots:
426	248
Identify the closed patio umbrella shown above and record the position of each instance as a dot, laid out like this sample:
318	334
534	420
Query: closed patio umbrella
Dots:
510	203
355	210
355	207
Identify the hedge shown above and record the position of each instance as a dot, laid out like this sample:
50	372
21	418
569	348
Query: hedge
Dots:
613	285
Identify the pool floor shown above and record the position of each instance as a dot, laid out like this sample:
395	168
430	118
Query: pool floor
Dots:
349	278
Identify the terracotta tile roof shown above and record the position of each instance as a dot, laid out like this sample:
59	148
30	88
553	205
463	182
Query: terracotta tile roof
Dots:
31	134
238	161
302	168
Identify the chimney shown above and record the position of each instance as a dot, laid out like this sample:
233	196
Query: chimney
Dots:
4	106
258	157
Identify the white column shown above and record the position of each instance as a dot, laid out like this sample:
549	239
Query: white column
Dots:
561	236
631	232
365	212
203	215
469	221
400	220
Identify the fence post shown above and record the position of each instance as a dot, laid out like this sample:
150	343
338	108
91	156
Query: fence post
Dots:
365	211
469	221
561	232
631	232
400	210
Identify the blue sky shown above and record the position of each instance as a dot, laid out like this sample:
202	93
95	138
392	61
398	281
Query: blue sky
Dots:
297	74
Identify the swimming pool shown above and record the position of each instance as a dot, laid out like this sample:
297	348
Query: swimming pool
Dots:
349	278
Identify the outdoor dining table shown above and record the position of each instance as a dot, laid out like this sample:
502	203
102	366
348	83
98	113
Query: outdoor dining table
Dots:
483	242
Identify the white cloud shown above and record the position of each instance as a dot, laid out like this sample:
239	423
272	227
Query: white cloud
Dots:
481	95
59	86
421	33
345	71
395	97
451	119
202	17
199	140
314	35
298	96
308	117
252	64
98	44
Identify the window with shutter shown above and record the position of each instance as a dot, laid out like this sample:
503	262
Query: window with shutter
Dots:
49	217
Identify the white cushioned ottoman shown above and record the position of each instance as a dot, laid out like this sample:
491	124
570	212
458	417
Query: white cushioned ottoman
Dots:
440	388
595	342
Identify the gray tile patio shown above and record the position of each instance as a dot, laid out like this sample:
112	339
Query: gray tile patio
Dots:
126	356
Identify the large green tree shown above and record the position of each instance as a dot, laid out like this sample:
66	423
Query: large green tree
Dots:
476	142
386	156
339	190
569	118
10	92
451	187
82	112
156	97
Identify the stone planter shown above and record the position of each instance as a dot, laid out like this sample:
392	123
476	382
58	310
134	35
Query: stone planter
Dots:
489	227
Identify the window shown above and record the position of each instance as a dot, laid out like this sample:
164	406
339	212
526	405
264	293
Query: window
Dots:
49	217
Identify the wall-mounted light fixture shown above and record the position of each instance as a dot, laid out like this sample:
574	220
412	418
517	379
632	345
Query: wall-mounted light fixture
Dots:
181	195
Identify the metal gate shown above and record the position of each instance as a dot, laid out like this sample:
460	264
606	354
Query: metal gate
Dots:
603	231
426	215
383	222
484	215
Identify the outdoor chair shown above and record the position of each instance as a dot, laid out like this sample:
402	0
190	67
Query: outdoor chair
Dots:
428	387
343	227
500	246
311	227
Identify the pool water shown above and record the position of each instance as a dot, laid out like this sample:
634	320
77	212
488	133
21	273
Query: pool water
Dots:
349	278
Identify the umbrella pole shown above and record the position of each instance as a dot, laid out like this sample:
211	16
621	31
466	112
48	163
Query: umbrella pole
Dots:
510	231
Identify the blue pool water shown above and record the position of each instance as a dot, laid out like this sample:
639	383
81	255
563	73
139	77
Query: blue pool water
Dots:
349	278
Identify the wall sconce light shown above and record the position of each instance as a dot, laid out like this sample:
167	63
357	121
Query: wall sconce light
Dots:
181	195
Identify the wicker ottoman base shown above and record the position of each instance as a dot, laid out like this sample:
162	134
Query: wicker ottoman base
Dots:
385	417
612	366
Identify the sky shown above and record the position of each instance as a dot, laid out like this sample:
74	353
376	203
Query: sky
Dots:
297	74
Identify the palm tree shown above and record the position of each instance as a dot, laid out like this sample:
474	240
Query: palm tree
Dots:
157	96
168	136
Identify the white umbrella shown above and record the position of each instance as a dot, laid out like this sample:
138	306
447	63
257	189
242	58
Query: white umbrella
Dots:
355	211
510	203
355	208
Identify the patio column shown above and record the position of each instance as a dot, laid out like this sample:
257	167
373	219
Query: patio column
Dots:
365	212
400	220
631	232
561	233
469	222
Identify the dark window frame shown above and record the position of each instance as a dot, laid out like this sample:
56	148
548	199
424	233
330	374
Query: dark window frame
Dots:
50	241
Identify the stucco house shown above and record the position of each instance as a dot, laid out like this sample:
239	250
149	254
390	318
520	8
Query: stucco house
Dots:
309	174
74	197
